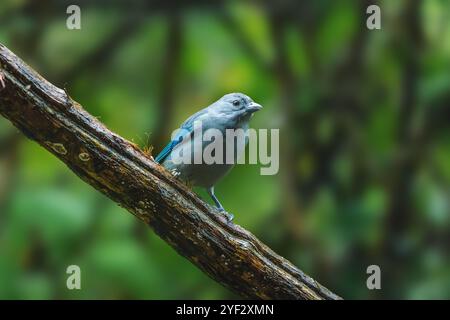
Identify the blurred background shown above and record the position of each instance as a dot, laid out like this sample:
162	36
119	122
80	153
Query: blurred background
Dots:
365	141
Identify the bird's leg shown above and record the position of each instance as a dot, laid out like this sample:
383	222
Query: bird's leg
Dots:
216	201
218	204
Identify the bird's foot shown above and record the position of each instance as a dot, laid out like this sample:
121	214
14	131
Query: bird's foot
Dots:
227	215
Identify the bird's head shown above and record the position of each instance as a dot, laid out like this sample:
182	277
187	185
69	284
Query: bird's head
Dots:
237	104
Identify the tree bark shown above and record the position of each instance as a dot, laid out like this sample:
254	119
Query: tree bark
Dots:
226	252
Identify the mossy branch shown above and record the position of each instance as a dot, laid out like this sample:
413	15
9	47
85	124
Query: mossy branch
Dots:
226	252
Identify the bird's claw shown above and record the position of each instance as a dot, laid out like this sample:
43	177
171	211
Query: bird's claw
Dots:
228	216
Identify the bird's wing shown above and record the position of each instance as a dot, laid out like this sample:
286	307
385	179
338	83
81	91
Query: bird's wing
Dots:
166	151
186	129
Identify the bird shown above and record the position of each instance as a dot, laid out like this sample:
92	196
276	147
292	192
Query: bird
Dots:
232	111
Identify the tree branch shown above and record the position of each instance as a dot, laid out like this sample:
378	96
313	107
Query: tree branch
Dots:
226	252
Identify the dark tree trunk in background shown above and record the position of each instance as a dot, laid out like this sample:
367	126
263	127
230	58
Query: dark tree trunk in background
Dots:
400	212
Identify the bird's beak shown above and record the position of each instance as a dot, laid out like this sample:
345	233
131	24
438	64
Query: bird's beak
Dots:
253	107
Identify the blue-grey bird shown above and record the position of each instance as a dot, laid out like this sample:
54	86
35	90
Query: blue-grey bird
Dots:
232	111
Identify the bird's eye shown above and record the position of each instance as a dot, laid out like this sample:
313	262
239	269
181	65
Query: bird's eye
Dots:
236	103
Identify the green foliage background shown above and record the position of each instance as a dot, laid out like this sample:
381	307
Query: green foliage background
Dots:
365	141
